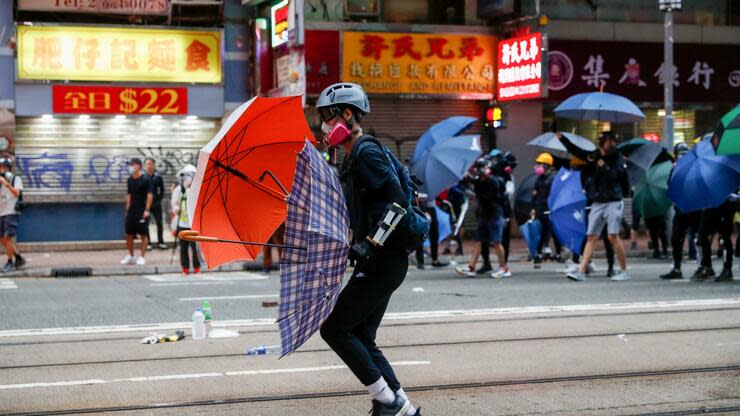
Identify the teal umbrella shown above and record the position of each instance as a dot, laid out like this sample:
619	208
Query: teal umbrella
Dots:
651	192
631	145
728	131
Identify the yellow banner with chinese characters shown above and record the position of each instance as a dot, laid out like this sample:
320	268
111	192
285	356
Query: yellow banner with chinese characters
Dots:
118	54
409	63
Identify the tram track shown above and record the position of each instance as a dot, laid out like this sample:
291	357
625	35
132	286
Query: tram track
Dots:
387	347
423	388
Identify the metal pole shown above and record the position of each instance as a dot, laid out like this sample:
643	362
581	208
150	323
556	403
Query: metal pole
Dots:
668	74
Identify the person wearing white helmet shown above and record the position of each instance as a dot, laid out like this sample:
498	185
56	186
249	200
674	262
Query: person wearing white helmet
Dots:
180	221
374	196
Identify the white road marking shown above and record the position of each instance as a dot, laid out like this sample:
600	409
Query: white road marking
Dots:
204	277
190	284
193	376
397	316
268	295
7	284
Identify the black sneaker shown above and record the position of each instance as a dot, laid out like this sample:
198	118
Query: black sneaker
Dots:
19	261
724	276
484	269
459	252
702	274
437	263
9	267
610	272
674	274
656	255
447	252
420	266
399	407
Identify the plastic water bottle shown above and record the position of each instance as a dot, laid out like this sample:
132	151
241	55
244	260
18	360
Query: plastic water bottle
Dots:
199	324
208	316
264	349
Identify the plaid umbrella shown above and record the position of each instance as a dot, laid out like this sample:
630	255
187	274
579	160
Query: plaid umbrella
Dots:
317	238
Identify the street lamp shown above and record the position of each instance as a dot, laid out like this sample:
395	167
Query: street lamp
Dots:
668	6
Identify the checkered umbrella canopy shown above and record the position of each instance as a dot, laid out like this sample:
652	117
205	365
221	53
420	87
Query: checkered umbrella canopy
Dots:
311	278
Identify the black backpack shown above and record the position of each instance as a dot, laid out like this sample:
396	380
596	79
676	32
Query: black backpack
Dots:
413	228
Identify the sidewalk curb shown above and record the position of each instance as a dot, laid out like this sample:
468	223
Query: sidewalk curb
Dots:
45	272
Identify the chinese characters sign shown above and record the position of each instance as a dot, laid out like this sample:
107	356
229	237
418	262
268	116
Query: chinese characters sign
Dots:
420	63
519	68
117	54
700	73
98	6
119	100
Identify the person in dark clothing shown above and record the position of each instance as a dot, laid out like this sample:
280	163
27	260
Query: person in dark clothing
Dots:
429	209
509	163
138	205
605	188
541	192
657	229
716	221
374	198
457	198
490	191
158	195
682	223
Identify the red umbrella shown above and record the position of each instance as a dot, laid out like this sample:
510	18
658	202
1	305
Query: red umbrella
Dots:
244	176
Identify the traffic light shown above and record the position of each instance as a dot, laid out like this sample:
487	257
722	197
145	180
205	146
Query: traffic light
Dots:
495	117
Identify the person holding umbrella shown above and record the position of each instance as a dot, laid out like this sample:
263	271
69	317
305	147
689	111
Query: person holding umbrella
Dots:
682	222
179	210
545	172
606	188
374	196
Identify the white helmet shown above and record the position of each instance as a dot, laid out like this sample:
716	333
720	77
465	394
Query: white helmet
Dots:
342	94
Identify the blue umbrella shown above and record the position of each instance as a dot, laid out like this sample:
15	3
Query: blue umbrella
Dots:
599	106
443	130
443	225
568	209
701	179
532	232
446	163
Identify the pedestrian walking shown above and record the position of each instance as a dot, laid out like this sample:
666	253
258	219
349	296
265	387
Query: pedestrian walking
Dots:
179	209
377	202
682	224
11	189
490	191
150	165
545	172
139	197
605	188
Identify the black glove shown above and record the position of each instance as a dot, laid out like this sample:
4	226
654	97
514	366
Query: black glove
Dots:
361	252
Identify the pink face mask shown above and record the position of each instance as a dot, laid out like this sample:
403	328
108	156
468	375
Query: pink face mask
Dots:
539	170
508	170
337	134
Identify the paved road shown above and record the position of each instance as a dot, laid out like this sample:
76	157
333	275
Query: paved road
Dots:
533	344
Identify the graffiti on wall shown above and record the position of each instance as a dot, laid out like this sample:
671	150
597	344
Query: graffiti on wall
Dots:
49	171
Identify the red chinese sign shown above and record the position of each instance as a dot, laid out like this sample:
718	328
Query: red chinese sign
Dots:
519	74
322	59
77	99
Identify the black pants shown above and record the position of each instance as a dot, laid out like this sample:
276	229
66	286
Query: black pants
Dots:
433	238
716	220
157	214
681	225
352	326
656	229
546	234
184	257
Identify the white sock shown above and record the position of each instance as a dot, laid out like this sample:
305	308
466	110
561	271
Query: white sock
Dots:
412	409
381	392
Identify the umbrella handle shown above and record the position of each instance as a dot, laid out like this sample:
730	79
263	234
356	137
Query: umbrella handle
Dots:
192	235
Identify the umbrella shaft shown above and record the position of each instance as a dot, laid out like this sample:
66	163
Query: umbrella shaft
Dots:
252	243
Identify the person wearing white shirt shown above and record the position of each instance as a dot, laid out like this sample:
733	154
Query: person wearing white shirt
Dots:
11	187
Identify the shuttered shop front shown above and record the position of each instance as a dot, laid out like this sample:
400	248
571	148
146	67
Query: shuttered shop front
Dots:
398	123
75	169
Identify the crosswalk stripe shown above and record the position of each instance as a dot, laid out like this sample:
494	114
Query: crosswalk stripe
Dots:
7	284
